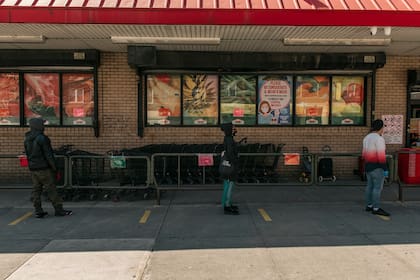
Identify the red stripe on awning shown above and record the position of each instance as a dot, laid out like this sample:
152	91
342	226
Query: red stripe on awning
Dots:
209	16
413	5
210	12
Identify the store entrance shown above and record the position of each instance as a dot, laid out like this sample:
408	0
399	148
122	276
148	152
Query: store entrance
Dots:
413	109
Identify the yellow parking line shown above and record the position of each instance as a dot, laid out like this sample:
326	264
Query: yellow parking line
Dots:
24	217
264	214
145	216
385	218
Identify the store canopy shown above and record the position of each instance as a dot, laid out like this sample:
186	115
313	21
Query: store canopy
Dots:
404	13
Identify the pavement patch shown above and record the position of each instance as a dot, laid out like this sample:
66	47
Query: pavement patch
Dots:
88	259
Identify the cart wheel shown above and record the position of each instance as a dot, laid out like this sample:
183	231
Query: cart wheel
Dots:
320	179
301	179
334	178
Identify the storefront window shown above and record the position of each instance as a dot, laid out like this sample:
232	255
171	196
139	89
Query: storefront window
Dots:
275	100
347	100
78	99
266	100
312	100
42	97
9	99
238	98
200	99
163	99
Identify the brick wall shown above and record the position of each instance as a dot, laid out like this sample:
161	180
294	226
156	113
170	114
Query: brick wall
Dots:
118	117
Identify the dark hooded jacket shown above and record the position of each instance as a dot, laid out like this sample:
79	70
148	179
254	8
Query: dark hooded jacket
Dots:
230	146
38	147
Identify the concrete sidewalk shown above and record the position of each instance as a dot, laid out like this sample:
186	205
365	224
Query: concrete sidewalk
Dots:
282	233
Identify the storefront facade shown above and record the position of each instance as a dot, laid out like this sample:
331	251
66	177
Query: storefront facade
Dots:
112	105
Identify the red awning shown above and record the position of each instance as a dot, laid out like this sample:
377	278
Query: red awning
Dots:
215	12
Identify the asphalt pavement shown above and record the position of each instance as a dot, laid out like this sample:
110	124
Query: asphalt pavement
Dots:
284	232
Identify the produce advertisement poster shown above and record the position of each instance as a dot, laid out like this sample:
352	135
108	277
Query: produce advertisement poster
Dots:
41	95
393	129
312	100
238	98
347	100
164	99
9	99
274	100
200	99
78	99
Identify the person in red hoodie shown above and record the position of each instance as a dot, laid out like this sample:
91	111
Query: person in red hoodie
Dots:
41	163
374	157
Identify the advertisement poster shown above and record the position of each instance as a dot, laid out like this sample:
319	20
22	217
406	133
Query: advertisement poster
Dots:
274	100
163	99
393	129
9	99
78	99
200	99
312	100
347	100
41	93
238	98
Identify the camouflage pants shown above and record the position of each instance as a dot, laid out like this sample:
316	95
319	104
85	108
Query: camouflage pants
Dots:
41	179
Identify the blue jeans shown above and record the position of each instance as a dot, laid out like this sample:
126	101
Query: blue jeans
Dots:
375	183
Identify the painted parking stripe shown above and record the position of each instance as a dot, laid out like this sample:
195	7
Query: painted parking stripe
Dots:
265	215
385	218
145	216
18	220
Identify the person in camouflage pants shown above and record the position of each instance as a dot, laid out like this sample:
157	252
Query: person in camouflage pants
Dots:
41	163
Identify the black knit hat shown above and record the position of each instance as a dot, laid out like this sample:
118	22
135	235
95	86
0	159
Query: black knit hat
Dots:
36	124
377	125
227	128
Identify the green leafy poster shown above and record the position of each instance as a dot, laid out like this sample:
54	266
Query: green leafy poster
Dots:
238	99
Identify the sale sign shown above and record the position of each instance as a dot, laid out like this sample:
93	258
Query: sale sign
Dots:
205	160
